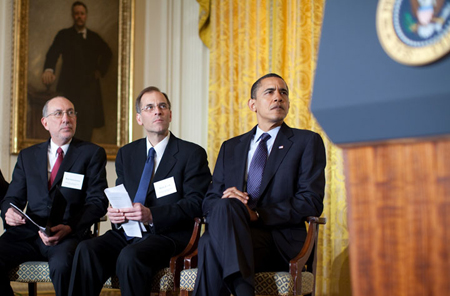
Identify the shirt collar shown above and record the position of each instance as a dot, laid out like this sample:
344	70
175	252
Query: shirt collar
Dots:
54	147
160	147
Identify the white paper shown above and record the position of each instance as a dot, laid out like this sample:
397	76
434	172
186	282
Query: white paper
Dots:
72	180
43	229
119	199
165	187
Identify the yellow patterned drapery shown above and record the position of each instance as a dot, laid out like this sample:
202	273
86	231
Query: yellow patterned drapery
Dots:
247	39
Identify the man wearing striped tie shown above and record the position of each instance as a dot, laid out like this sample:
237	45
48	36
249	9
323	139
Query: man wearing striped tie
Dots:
265	183
61	182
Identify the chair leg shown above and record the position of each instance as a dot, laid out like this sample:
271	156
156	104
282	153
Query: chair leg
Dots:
32	289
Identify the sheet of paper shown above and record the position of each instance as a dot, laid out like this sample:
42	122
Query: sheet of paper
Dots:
119	198
43	229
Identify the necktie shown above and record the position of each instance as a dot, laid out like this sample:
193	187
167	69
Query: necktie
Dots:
146	176
256	170
56	166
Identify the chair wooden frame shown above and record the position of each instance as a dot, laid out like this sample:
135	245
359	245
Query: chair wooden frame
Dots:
305	260
176	262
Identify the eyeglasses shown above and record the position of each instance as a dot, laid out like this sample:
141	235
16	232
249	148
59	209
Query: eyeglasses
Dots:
150	107
60	113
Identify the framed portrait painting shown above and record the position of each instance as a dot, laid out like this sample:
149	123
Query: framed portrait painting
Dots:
81	50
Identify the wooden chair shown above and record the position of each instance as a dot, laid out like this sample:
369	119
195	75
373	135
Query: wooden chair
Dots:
33	272
300	280
167	280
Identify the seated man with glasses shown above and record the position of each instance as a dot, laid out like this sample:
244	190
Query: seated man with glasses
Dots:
61	183
166	179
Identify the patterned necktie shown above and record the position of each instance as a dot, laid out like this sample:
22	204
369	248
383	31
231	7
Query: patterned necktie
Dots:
56	166
256	170
146	176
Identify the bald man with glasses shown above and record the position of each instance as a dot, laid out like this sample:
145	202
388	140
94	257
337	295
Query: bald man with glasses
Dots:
61	183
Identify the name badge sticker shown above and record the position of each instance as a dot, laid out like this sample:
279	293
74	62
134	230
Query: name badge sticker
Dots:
165	187
72	180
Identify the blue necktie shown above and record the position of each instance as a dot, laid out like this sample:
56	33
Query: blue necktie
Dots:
146	176
256	170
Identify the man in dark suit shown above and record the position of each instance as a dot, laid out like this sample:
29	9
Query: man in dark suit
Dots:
85	58
3	186
166	204
265	183
61	183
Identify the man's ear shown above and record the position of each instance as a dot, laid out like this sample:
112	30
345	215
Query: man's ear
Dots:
252	104
138	119
44	122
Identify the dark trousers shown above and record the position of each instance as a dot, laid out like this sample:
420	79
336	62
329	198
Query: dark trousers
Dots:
232	250
59	257
134	262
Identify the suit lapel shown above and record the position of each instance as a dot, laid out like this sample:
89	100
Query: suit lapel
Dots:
239	165
280	148
138	162
42	162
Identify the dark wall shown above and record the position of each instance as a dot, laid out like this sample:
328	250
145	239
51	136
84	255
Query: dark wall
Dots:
361	95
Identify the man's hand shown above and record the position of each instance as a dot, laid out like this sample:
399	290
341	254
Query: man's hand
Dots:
48	77
13	218
137	213
233	192
59	232
116	216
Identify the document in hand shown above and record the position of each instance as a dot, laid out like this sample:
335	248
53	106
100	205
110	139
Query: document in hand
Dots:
119	199
45	230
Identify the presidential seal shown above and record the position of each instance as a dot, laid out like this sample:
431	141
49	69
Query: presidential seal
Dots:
414	32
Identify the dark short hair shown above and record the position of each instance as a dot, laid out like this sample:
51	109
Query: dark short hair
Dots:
78	3
149	89
257	84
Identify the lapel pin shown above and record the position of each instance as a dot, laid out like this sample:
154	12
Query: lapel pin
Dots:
280	147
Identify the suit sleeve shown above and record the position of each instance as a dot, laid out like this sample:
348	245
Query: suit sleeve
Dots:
309	193
54	52
3	186
17	190
196	178
217	186
96	202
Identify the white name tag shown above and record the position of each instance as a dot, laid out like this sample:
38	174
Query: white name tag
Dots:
165	187
72	180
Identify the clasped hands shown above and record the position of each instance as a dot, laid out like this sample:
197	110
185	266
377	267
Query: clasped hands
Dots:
233	192
13	218
137	213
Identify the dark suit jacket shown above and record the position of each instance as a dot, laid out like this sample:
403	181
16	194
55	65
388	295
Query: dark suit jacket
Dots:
30	184
292	187
3	186
173	215
81	59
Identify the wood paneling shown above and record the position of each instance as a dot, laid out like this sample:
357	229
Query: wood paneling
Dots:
399	218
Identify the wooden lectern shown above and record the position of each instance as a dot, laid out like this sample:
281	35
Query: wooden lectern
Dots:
393	123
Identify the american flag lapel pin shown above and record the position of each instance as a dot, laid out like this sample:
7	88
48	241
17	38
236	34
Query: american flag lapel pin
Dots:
280	147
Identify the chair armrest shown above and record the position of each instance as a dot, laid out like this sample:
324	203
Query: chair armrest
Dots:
297	264
176	262
190	260
97	226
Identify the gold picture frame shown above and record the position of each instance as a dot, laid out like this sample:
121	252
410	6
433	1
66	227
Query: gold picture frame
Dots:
36	23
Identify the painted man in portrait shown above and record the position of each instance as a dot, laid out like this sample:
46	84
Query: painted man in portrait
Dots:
85	59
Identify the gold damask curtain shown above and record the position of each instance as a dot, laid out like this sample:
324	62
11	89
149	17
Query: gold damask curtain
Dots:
247	39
